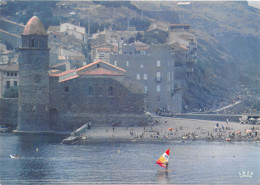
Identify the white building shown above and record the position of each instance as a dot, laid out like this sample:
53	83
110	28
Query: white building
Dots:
77	31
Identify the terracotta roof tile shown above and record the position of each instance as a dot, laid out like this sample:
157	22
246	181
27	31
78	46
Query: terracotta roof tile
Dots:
98	61
141	48
102	71
60	64
34	26
63	73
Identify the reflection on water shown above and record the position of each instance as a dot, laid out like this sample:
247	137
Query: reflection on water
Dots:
45	161
163	177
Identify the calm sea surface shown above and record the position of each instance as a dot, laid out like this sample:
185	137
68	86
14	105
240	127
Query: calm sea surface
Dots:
197	162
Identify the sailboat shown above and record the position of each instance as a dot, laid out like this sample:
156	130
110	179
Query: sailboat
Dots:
164	159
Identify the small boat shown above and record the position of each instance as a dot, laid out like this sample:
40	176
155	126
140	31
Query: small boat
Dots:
14	157
164	159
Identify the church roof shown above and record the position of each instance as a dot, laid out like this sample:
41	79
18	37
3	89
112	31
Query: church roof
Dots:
100	61
102	71
34	26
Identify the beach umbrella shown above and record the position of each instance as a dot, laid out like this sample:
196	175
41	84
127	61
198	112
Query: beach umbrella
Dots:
251	119
238	131
171	129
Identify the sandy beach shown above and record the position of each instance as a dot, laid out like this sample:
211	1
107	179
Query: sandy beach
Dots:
175	129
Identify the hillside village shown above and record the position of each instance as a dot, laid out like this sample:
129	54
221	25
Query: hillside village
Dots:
159	57
162	68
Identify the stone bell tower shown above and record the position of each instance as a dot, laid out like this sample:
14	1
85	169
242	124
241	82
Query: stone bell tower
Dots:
33	104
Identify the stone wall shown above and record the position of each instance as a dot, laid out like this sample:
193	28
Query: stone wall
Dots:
33	112
213	117
8	111
80	100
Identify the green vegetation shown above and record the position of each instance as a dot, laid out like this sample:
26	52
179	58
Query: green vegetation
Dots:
11	92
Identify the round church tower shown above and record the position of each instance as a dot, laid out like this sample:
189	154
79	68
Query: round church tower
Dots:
33	110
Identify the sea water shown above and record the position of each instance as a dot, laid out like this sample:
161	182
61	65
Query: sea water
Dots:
45	161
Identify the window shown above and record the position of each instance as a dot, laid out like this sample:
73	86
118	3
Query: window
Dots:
110	91
15	74
158	88
145	76
67	88
158	63
15	83
115	63
127	63
141	66
158	74
158	98
7	84
90	91
8	74
100	91
12	74
138	77
33	43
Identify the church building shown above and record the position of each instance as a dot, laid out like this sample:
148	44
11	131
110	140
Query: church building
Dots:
98	93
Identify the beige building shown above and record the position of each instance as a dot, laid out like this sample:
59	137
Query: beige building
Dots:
77	31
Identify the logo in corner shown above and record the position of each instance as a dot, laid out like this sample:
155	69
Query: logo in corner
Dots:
246	174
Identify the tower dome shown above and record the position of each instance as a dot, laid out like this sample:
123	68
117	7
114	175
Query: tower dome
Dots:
34	26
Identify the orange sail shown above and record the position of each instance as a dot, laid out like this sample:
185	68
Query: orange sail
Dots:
163	160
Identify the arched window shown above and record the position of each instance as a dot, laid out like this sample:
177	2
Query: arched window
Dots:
33	43
100	91
110	91
90	91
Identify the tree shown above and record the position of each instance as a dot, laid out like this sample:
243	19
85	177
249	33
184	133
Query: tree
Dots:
11	92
